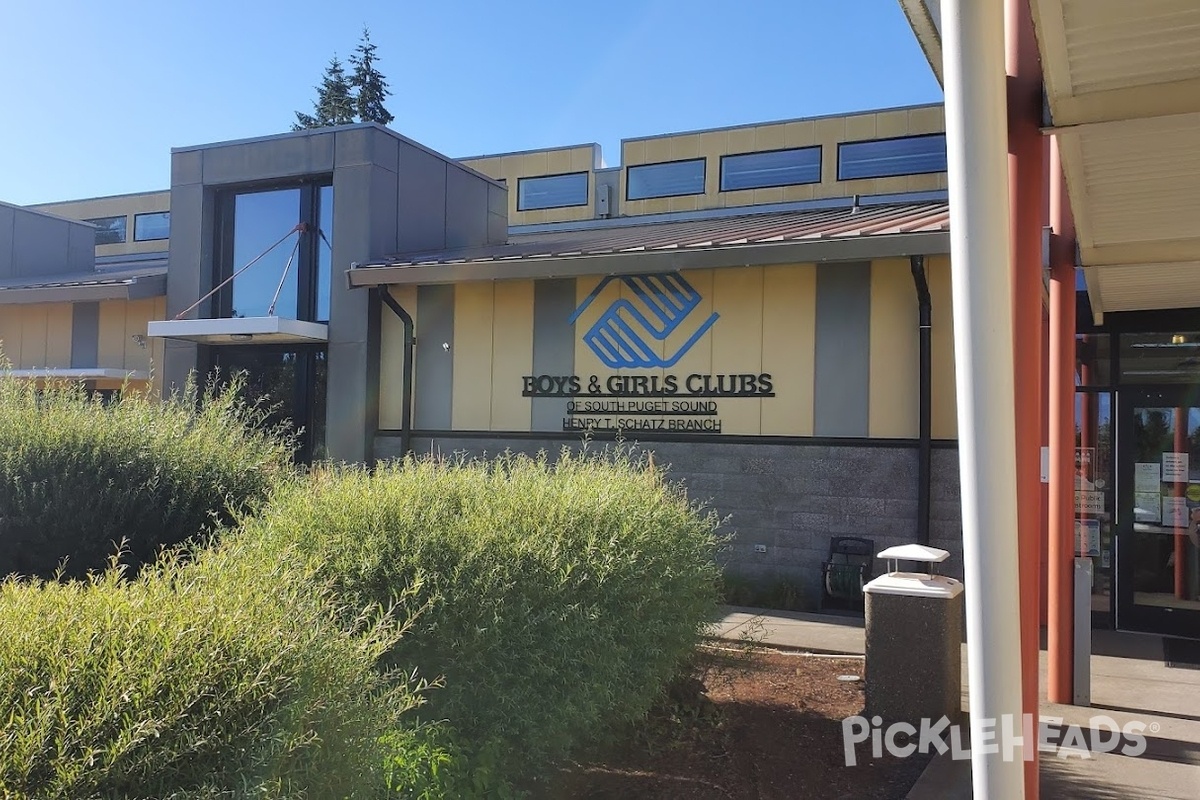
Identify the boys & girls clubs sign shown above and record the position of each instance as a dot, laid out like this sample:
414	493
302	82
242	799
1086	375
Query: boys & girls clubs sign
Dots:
628	335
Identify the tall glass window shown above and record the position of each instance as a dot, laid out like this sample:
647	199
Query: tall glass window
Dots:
884	158
290	278
776	168
324	246
259	220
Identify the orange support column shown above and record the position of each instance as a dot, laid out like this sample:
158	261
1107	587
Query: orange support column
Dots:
1060	629
1026	176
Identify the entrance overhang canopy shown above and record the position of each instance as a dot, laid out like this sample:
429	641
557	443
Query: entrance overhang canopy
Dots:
1122	84
241	330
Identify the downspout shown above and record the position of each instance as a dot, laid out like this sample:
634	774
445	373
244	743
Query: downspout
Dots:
925	435
410	342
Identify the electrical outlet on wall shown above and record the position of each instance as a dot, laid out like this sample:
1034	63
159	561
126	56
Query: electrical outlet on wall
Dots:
760	548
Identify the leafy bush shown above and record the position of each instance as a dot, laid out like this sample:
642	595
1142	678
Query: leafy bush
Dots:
226	680
558	598
79	475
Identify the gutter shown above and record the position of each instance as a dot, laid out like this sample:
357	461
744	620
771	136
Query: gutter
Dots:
925	434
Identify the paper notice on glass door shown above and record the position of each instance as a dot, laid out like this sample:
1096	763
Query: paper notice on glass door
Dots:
1146	507
1175	467
1174	512
1146	477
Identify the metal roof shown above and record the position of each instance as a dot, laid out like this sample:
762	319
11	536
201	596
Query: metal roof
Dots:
118	282
745	239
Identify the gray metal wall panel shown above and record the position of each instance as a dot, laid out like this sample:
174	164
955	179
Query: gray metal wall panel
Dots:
553	345
85	335
81	249
364	224
434	381
8	222
843	332
422	211
190	256
466	209
40	245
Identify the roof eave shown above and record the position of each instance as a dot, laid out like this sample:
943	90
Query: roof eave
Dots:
850	248
136	289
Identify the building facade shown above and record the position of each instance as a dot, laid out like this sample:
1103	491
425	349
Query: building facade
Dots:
746	302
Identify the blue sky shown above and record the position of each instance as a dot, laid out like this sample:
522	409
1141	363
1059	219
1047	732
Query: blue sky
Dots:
94	94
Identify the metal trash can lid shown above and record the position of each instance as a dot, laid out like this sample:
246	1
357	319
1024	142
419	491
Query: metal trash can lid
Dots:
915	584
915	552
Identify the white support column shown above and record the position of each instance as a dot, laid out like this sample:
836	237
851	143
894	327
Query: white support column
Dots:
981	264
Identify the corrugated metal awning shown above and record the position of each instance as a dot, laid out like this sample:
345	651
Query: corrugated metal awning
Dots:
832	234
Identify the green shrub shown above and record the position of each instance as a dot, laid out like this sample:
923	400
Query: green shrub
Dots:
558	598
230	679
78	475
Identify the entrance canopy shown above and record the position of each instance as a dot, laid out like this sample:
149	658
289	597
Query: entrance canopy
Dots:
241	330
1122	83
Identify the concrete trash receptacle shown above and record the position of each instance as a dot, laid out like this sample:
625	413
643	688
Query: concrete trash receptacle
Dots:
914	623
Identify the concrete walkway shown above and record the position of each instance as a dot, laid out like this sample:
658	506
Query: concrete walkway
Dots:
1130	683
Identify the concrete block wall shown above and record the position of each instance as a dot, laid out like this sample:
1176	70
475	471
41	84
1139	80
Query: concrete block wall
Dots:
790	497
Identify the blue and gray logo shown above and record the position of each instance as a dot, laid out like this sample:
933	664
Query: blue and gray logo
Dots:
622	336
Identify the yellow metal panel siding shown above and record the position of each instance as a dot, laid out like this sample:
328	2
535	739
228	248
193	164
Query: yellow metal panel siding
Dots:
944	412
788	348
33	337
470	404
157	346
931	119
894	356
687	146
891	124
110	352
737	341
861	126
391	358
137	314
800	134
657	150
10	336
770	137
512	355
58	335
558	161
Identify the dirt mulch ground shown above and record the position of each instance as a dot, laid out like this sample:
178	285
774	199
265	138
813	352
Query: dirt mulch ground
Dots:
758	724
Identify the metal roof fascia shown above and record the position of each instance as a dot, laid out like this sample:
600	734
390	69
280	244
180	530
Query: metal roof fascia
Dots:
65	294
850	248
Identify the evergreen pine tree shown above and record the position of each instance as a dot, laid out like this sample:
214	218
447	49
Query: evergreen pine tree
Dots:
370	85
334	104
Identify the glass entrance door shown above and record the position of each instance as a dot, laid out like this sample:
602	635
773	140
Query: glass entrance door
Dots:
288	381
1158	558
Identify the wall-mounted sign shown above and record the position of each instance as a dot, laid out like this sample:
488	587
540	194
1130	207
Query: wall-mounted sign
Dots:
677	403
629	335
621	337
